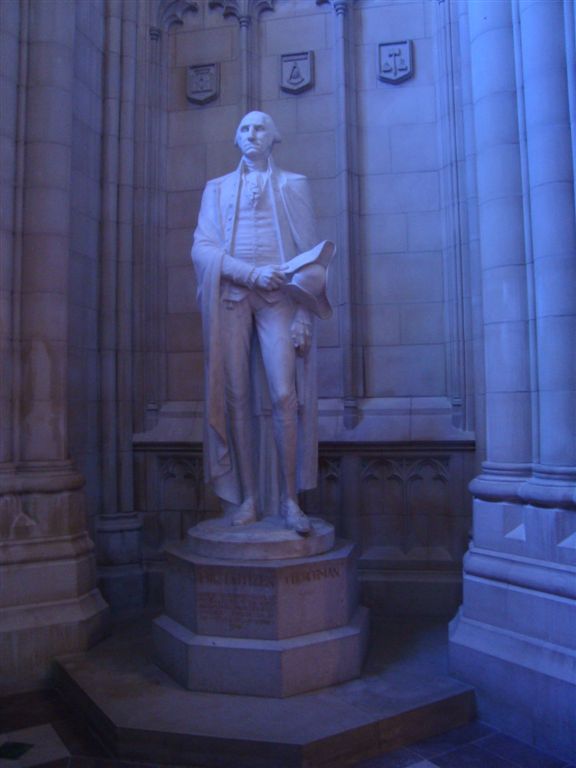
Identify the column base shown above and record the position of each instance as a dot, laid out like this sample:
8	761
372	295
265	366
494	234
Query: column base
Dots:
123	588
120	573
49	604
524	687
31	637
515	636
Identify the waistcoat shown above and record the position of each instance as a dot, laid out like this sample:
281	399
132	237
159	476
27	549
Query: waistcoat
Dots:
255	238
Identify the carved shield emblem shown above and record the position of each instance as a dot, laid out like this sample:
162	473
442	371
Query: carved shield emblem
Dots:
297	72
395	62
203	83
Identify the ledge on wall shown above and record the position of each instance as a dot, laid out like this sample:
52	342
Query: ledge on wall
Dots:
382	420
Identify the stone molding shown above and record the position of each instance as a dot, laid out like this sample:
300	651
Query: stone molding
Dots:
527	573
39	477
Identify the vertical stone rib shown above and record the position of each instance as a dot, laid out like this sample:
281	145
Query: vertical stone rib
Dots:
124	307
553	232
502	246
475	357
456	235
13	15
246	98
46	224
109	252
118	527
117	254
349	274
150	230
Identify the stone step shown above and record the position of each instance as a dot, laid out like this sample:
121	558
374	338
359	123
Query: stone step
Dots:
140	713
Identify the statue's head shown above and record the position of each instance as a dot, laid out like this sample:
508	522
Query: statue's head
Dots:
256	134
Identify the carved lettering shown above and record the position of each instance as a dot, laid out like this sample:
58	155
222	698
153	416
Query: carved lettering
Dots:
235	610
230	577
313	574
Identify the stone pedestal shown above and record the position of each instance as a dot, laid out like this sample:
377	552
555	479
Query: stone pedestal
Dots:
267	626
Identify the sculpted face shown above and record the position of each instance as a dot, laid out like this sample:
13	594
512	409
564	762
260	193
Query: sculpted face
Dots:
255	135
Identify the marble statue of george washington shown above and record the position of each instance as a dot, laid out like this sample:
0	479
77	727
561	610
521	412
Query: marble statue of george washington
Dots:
261	281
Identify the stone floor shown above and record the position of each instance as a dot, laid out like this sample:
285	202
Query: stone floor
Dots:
404	694
38	729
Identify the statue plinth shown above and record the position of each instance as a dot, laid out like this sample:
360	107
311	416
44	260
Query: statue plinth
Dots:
268	539
268	626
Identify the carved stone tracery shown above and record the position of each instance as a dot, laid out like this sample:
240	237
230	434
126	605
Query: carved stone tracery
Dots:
243	10
172	12
340	6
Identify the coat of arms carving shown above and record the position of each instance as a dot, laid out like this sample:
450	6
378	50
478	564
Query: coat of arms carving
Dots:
395	62
297	73
203	83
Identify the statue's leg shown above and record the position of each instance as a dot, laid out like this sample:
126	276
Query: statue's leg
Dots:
273	323
236	326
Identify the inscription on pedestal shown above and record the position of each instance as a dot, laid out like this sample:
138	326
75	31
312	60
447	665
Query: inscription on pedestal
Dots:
236	611
313	574
234	599
234	577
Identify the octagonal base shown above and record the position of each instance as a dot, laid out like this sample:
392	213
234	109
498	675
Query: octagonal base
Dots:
275	668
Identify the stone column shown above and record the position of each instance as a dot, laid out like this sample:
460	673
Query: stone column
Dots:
553	229
514	637
502	253
48	596
348	209
119	526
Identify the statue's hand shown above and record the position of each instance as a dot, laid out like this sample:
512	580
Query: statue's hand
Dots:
270	278
301	336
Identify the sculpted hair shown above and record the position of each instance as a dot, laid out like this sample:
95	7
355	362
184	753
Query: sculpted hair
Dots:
266	120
